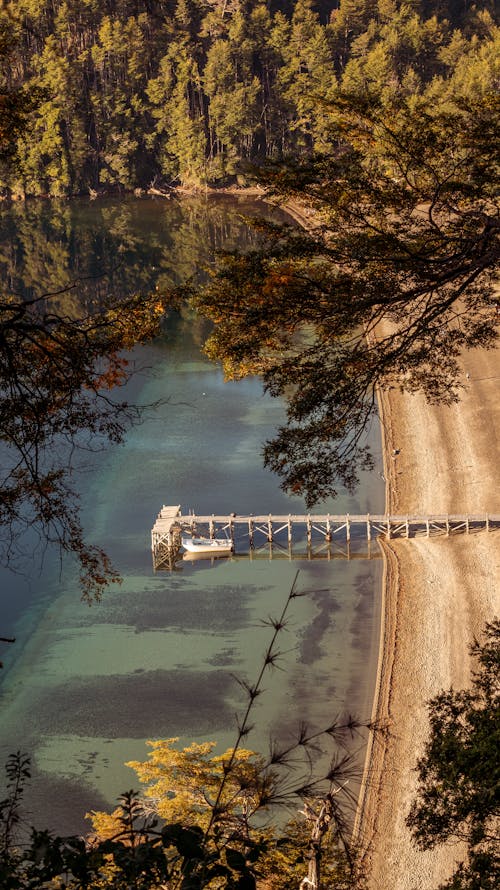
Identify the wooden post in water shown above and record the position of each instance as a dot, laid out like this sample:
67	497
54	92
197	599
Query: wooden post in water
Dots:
171	524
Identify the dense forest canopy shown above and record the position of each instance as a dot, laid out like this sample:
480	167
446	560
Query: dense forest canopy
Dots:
191	91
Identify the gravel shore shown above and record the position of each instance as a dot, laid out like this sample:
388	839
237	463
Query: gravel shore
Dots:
439	592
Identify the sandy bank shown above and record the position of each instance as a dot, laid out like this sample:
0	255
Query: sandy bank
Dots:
439	593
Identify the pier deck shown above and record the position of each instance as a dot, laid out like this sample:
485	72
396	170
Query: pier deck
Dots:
249	531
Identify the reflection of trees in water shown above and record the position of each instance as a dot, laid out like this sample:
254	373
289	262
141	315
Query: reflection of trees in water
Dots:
115	247
64	350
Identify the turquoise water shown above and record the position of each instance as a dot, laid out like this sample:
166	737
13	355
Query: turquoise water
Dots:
85	687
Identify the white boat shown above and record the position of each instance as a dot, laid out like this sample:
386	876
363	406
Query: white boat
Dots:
208	546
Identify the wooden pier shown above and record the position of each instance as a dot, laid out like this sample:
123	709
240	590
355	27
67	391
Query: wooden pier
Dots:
248	532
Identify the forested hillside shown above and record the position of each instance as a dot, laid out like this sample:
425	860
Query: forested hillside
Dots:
135	92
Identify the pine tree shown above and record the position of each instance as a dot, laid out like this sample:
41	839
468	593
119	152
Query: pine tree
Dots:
307	79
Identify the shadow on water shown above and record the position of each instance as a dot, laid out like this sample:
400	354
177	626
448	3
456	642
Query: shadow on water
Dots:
84	688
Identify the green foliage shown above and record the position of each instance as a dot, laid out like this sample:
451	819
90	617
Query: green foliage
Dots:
211	838
134	857
459	775
77	261
17	772
56	373
191	92
221	799
407	235
307	79
233	92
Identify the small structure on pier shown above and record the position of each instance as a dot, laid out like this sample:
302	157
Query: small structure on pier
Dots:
248	531
166	536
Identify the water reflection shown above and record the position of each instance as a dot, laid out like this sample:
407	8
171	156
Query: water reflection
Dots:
84	688
274	550
112	247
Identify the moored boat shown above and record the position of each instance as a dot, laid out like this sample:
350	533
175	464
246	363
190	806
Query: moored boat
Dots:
208	546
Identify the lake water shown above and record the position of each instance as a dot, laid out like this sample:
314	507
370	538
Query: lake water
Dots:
84	687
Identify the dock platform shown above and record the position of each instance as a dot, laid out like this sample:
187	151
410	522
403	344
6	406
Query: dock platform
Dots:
249	531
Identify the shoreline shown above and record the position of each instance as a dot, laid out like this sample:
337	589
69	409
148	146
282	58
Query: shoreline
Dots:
167	193
437	595
363	824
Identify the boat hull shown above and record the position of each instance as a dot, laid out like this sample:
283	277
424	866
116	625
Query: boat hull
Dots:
207	546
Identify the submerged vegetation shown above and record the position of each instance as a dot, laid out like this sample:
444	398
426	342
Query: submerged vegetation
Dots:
380	118
194	826
235	820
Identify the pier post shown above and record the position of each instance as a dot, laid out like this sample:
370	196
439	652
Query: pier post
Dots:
270	530
328	536
171	524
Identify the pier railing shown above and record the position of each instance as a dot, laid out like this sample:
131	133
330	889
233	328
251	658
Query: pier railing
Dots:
249	531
